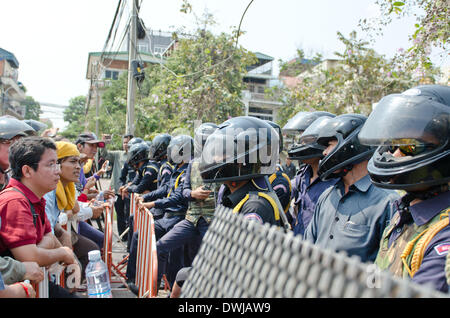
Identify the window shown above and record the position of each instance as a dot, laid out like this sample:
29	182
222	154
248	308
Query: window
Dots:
159	49
260	110
261	89
114	75
142	47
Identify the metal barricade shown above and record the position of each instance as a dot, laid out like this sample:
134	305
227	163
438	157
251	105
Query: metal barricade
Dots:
115	270
147	259
42	288
243	259
108	238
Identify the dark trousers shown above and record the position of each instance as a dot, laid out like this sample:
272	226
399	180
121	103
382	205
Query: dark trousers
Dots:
122	214
56	291
81	249
185	234
176	259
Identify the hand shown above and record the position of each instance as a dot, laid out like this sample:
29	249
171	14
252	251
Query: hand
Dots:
65	239
89	184
148	205
67	255
108	194
33	272
50	132
103	169
69	214
124	192
200	193
97	211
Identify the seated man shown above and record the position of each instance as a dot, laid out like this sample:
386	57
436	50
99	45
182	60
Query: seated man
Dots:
25	232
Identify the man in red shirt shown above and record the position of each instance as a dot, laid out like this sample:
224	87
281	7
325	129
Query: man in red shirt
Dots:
25	231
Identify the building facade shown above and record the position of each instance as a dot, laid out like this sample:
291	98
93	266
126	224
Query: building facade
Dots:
11	92
260	77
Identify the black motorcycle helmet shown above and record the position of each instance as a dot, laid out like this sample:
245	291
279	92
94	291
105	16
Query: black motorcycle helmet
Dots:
308	147
241	148
11	127
180	149
348	151
36	125
138	152
202	133
416	122
158	150
295	126
279	132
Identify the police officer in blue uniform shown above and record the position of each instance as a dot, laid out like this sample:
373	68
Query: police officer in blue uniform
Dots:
158	152
242	153
146	169
280	181
191	230
167	198
307	186
351	215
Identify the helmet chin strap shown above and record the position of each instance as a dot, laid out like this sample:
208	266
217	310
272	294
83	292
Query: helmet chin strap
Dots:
344	171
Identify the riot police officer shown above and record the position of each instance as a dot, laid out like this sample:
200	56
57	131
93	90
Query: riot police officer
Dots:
351	215
412	133
307	186
279	180
241	153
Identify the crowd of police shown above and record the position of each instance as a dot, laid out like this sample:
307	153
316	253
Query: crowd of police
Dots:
375	187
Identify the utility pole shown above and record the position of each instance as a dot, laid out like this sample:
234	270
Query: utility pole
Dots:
131	80
97	108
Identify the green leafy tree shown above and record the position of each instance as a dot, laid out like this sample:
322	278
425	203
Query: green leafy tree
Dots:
201	80
432	29
74	114
360	78
32	108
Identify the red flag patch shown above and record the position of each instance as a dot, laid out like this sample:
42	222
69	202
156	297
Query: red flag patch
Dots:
442	249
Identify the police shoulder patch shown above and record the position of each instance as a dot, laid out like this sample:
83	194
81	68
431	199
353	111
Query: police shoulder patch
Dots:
442	249
254	217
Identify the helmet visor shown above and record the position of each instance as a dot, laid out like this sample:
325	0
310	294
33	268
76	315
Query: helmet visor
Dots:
248	148
297	123
311	133
410	122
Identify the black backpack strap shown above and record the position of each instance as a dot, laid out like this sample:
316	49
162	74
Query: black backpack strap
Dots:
33	211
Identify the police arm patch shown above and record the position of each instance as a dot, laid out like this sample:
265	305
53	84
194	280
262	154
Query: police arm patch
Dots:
442	249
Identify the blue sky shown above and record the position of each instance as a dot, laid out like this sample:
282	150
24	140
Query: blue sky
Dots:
52	39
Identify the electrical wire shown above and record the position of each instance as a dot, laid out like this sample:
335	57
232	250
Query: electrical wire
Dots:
205	69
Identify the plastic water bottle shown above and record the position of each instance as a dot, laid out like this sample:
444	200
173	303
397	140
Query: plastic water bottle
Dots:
97	277
99	199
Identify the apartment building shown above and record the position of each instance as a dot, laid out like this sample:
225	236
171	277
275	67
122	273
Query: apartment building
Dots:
11	92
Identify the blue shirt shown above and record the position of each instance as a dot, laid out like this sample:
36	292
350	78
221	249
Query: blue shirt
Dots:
51	208
432	269
305	195
146	178
170	196
354	221
2	284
